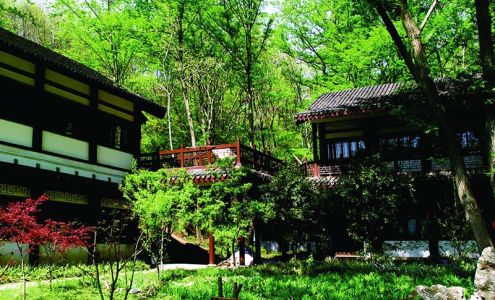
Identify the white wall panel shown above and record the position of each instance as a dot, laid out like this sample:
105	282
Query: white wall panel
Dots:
16	133
420	248
114	158
64	145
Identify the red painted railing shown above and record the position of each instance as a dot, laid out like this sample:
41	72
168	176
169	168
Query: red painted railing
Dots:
313	169
199	157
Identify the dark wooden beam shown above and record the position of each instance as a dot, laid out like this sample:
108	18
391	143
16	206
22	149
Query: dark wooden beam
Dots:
314	135
37	107
321	142
93	105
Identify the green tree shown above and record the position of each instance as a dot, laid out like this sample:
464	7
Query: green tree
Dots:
163	201
228	208
301	208
242	29
101	34
28	20
371	195
416	60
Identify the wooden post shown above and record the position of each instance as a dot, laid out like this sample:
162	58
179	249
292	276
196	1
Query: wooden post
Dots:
314	135
237	290
238	152
37	138
93	147
316	170
200	156
182	158
242	251
211	251
220	287
208	155
257	244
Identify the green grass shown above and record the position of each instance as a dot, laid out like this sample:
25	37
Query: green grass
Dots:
294	280
37	273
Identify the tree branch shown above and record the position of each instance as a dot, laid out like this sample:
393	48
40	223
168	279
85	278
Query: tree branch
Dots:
428	15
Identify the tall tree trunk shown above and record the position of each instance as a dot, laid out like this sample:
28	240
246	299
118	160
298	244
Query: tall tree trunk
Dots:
169	120
487	58
249	84
420	71
185	96
487	61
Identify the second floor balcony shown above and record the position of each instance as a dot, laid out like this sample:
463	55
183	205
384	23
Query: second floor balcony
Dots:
474	163
199	158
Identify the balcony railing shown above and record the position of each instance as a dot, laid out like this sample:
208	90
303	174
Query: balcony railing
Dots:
473	163
199	157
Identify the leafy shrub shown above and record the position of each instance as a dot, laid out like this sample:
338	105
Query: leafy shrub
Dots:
371	195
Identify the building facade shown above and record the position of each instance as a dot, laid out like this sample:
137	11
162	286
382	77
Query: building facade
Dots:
350	125
65	130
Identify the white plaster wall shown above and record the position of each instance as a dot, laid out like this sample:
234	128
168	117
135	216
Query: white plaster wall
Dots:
420	248
468	248
64	145
16	133
114	158
406	248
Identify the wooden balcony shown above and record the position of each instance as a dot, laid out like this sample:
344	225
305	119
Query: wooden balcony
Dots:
473	163
199	157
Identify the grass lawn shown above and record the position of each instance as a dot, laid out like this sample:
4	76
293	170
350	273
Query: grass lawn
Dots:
295	280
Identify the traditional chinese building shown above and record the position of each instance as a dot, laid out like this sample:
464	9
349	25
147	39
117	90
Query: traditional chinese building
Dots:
352	124
65	130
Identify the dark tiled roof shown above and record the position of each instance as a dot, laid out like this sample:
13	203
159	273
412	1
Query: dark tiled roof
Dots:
341	103
349	98
37	52
376	98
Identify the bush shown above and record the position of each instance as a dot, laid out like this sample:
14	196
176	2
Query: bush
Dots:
371	196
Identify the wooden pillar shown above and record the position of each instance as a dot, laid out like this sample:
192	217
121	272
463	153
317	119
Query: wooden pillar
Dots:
314	135
200	155
257	245
323	153
93	104
211	251
208	155
242	251
316	170
39	85
182	158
